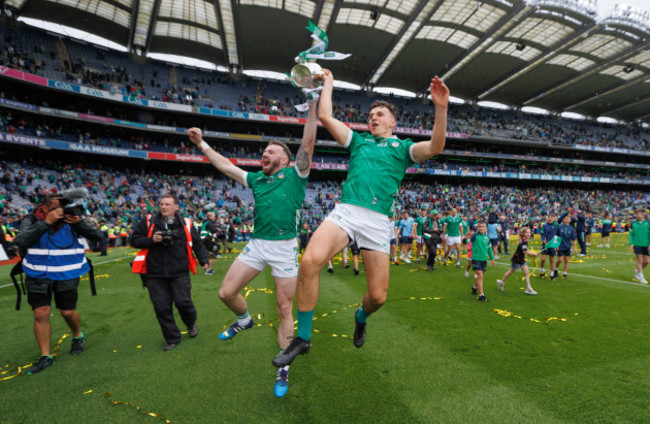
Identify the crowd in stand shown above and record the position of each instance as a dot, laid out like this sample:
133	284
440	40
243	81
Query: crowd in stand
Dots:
14	123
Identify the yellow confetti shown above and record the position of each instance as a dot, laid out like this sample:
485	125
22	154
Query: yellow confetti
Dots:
19	369
138	347
114	350
505	313
89	391
108	396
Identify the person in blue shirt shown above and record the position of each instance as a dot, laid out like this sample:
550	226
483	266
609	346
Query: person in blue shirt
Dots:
548	231
578	222
406	235
568	236
493	229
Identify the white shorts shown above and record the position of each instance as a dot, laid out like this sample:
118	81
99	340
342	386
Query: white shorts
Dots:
280	255
418	239
453	240
368	228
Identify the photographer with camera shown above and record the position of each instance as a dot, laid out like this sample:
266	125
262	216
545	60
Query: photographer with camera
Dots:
168	240
54	261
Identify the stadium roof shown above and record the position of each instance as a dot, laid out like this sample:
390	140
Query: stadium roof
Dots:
552	54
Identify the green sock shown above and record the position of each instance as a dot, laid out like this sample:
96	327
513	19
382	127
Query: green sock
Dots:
304	324
362	315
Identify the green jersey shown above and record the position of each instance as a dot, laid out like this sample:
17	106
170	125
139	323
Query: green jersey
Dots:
639	233
481	247
278	203
377	167
420	221
465	225
453	225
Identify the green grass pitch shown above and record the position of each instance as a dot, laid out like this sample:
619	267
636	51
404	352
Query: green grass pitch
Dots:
433	353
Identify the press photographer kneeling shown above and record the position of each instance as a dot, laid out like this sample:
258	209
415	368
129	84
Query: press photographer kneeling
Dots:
53	261
167	241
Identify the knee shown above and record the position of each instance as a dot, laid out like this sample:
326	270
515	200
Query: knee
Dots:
378	299
311	263
42	314
285	311
67	314
225	294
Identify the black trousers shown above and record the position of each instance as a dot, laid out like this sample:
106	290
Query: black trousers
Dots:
582	243
432	244
165	291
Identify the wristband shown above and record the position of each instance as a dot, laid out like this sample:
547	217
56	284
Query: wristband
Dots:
203	146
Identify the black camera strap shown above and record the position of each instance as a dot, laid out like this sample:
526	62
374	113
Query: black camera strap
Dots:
17	270
91	277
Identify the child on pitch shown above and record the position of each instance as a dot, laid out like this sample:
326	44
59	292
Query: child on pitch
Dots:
605	229
548	233
518	260
468	243
639	242
568	236
481	249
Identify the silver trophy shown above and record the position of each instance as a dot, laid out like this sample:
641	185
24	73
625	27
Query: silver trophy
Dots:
306	75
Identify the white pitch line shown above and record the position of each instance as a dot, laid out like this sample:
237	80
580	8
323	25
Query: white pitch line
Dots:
98	263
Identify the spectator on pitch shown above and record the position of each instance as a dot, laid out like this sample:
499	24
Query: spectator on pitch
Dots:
605	229
548	233
305	234
493	235
169	243
54	261
518	261
639	241
209	233
568	237
481	250
406	233
590	224
432	230
504	235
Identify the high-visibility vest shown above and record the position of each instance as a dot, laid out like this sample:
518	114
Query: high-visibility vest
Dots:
9	235
46	259
140	261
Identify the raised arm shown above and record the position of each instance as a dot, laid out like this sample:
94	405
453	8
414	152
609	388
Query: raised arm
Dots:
336	128
425	150
306	150
218	161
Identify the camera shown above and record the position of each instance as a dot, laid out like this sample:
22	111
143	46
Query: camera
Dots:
168	236
72	201
73	209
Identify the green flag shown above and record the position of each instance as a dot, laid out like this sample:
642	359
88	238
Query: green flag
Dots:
553	243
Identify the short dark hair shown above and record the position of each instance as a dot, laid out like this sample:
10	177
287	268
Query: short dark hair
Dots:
284	147
482	221
384	103
171	196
